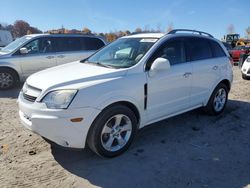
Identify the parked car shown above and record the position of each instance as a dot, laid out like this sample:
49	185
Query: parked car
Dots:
245	70
5	38
36	52
243	57
135	81
237	51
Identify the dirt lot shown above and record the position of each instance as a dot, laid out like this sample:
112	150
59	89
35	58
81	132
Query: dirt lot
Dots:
190	150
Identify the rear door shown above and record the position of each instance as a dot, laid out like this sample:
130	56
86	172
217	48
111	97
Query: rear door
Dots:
68	49
41	55
206	68
169	91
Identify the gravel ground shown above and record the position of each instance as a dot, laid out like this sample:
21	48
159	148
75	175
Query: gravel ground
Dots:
190	150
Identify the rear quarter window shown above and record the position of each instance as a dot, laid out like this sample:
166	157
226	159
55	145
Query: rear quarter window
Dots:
91	43
217	50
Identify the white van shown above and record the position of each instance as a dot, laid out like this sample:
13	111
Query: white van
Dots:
5	38
36	52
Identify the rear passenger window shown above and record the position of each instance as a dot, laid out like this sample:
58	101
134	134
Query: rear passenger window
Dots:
199	49
91	43
217	50
69	44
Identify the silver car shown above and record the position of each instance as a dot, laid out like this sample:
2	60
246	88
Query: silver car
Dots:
32	53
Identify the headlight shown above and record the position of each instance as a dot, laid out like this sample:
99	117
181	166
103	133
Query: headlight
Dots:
59	99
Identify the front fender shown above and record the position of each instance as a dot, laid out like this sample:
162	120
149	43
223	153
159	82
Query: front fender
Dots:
109	100
16	68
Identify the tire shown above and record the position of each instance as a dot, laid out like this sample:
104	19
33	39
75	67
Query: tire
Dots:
8	79
109	138
218	100
244	76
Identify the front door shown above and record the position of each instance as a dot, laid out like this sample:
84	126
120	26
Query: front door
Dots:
41	55
169	91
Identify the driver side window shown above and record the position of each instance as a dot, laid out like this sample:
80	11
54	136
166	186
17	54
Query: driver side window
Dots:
172	50
41	45
33	47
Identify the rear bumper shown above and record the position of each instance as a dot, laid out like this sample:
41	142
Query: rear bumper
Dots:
56	125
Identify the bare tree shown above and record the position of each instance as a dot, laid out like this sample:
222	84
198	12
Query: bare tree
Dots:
20	28
86	30
230	29
170	27
138	30
248	32
158	28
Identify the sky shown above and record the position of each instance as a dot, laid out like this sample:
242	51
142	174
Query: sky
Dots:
212	16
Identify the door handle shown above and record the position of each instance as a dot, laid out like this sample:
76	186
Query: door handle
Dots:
61	56
187	74
215	67
50	57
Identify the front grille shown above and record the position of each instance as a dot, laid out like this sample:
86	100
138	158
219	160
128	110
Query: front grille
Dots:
29	98
30	93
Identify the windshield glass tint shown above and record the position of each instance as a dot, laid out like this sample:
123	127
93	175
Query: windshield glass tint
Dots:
123	53
15	44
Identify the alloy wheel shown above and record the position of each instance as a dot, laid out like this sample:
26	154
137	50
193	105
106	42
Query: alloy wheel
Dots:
116	132
6	80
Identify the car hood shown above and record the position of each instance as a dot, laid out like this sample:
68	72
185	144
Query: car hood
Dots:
3	54
72	75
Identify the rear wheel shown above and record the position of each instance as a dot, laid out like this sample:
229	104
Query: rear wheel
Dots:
8	78
113	131
218	100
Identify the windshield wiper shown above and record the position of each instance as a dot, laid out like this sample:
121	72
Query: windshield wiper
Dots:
97	64
104	65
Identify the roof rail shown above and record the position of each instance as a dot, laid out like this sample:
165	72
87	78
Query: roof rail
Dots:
190	30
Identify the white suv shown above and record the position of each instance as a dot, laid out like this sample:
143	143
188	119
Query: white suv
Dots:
135	81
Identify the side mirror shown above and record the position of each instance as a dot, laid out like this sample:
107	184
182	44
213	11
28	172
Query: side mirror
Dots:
24	50
159	65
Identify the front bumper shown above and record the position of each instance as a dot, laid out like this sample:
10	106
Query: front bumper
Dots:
55	124
246	70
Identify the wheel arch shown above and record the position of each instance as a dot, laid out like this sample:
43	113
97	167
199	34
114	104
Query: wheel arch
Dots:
13	70
128	104
226	82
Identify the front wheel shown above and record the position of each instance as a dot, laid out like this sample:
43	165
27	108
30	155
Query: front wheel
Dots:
113	131
218	100
8	79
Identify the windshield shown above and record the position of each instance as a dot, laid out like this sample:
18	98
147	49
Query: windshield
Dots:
233	37
15	44
122	53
